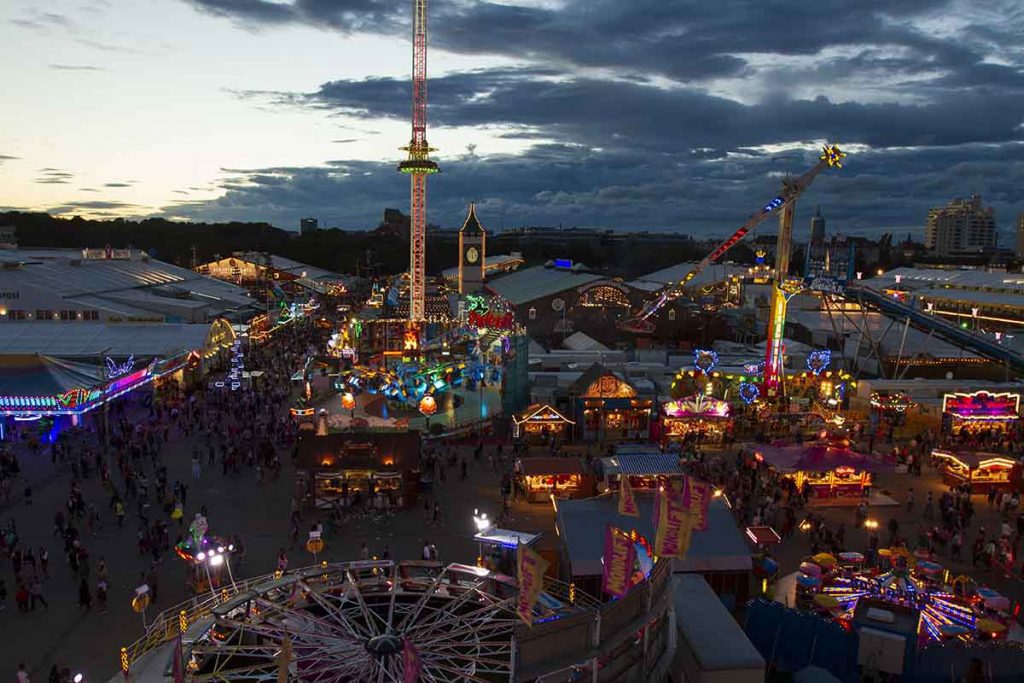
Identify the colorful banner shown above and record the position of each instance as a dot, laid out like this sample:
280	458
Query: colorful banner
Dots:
530	570
671	513
619	557
412	663
627	503
699	493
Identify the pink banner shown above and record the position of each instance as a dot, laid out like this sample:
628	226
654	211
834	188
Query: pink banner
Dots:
673	515
530	570
699	499
627	503
412	663
619	557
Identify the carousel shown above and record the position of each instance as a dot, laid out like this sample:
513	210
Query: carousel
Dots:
979	411
697	417
830	469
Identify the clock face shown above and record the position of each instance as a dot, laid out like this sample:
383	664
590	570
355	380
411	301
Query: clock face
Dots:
472	254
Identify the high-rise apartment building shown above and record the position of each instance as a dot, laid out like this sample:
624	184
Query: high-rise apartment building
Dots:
308	225
817	227
963	226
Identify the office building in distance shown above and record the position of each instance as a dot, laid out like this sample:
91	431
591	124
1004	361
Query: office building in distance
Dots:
963	226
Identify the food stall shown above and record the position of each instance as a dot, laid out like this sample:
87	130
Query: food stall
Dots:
984	471
372	470
646	466
980	410
608	408
699	417
830	469
561	477
540	423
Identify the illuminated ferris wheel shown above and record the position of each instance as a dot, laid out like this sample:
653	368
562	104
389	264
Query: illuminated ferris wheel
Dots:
367	621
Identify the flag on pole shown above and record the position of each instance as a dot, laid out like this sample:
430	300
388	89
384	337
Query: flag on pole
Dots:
699	500
627	503
412	663
619	557
177	670
530	568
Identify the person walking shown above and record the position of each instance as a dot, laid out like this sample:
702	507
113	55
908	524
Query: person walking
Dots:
101	595
22	675
35	591
84	594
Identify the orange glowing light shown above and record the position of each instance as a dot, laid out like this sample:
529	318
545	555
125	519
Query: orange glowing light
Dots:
348	401
428	406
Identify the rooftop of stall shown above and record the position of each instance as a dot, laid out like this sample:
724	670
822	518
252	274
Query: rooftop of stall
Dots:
819	458
705	624
507	538
640	464
975	459
535	467
581	523
400	447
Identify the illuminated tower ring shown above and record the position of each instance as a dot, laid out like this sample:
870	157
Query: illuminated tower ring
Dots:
350	622
418	165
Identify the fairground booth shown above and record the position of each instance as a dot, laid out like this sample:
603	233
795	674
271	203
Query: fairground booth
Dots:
559	477
984	471
831	470
646	466
695	418
979	411
540	423
720	553
608	407
369	470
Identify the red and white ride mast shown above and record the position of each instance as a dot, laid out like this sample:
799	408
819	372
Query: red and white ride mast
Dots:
418	165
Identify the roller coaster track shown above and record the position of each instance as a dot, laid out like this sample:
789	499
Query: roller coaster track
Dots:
950	332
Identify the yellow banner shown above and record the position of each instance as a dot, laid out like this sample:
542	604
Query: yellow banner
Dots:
530	568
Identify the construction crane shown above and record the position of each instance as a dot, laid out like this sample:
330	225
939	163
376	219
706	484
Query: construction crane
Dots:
831	157
418	165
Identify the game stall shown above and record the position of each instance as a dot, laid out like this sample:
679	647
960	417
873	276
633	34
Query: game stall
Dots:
984	471
540	423
979	411
646	465
561	477
699	417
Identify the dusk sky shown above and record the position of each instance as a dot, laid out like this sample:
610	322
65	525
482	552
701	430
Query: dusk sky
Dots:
626	114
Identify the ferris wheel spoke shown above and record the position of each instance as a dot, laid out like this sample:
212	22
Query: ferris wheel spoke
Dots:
368	615
334	611
413	613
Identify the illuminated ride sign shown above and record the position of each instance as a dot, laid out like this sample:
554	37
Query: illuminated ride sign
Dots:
492	321
698	405
78	399
118	369
982	406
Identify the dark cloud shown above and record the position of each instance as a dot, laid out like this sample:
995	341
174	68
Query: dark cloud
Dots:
97	207
117	184
7	157
345	141
666	114
75	67
54	176
552	184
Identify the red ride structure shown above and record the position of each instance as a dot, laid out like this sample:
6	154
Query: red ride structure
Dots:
418	165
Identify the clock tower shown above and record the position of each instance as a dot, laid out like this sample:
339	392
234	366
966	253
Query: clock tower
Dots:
472	253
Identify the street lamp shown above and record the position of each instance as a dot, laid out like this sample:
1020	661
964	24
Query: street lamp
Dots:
106	419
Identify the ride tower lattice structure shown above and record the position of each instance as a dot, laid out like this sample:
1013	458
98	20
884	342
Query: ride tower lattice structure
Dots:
418	166
784	289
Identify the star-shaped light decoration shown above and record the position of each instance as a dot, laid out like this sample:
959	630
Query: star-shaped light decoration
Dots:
832	155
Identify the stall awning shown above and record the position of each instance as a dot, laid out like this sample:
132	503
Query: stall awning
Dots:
820	458
546	466
541	413
506	538
641	464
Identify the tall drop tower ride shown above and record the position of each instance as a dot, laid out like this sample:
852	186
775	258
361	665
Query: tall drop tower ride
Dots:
418	165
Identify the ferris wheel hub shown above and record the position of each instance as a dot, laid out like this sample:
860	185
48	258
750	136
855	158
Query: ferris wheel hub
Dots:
385	645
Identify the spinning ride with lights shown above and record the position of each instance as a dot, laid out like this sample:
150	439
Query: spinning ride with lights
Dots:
959	611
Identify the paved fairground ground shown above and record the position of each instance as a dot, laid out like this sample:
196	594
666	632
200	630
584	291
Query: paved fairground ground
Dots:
88	640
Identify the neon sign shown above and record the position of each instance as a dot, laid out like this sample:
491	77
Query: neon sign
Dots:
493	321
705	360
476	303
116	370
982	406
818	360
